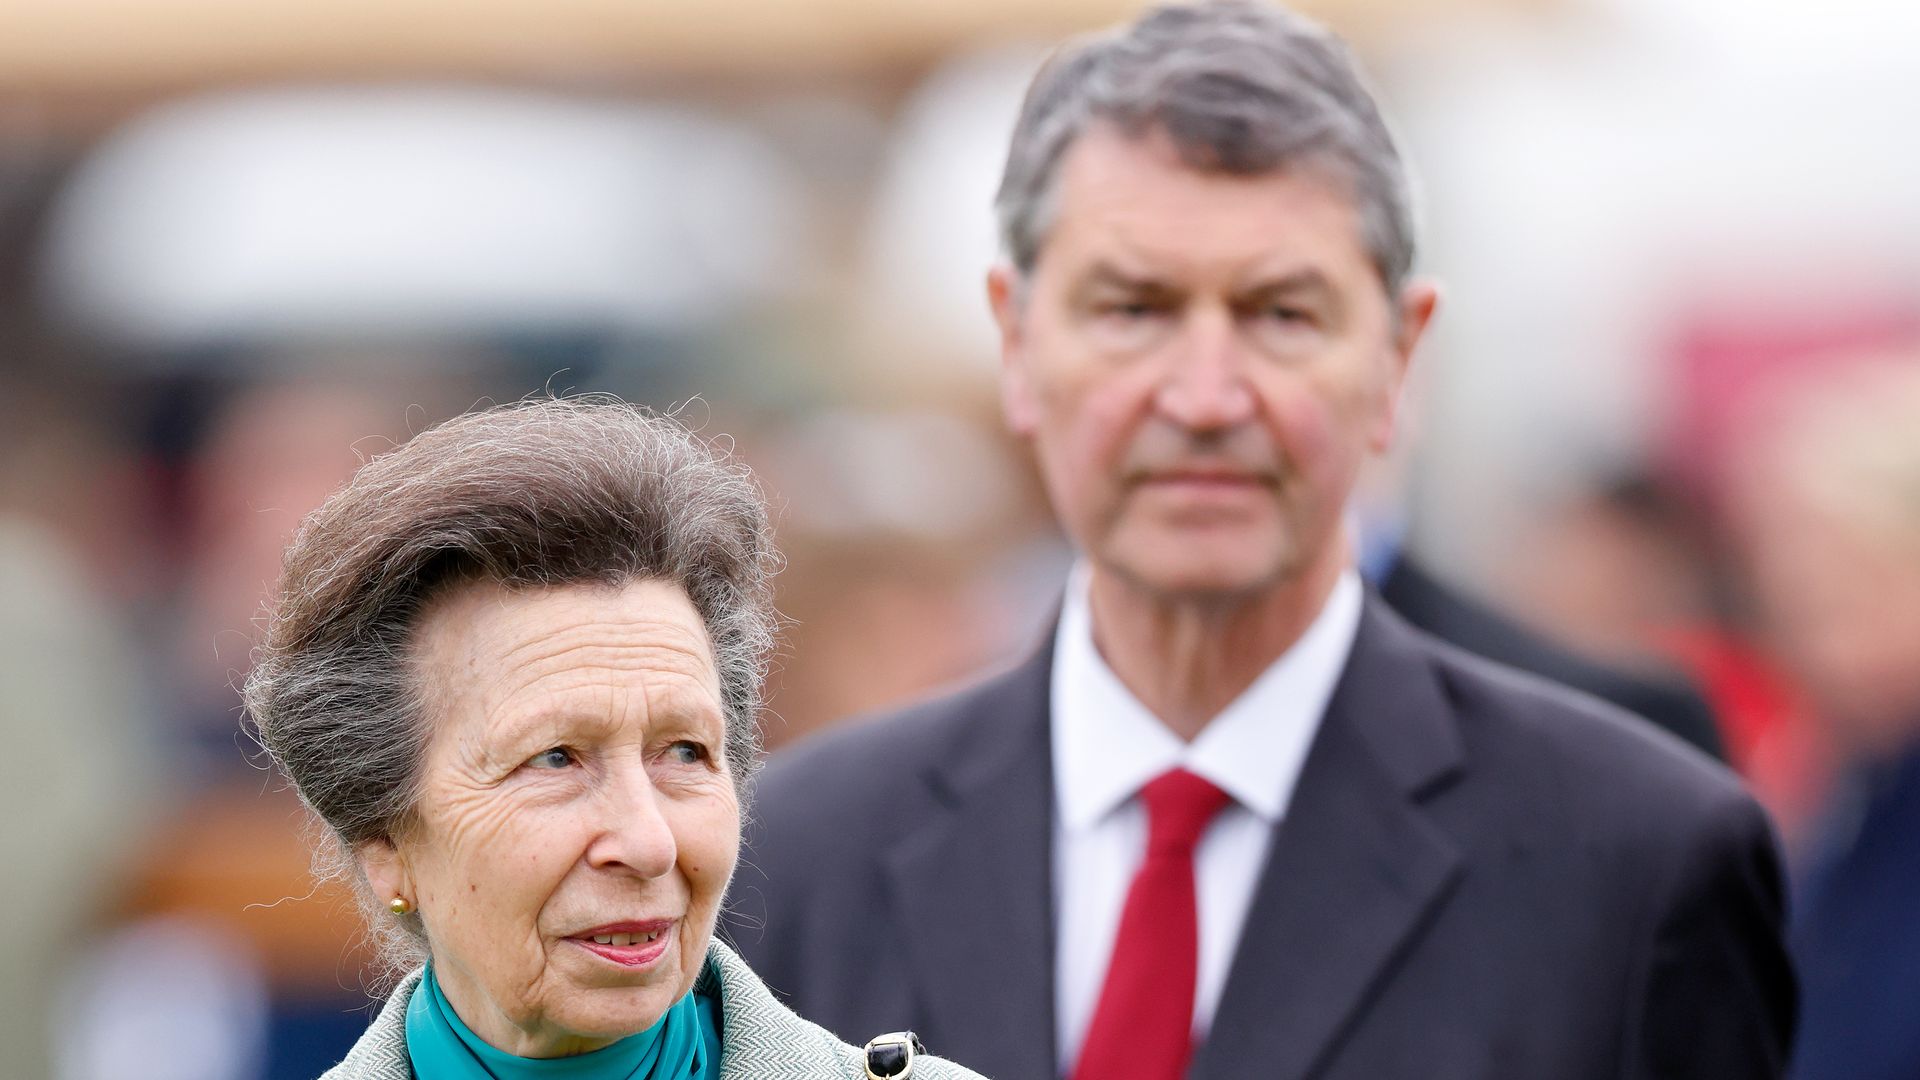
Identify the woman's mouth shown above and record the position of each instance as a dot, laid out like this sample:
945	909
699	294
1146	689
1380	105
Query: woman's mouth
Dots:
630	944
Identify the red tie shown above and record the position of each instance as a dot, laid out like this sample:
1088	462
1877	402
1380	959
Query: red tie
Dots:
1143	1026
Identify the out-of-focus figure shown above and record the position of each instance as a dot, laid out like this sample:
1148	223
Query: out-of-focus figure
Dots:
1632	567
1829	503
75	798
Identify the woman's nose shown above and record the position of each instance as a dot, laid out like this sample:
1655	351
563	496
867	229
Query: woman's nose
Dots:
633	830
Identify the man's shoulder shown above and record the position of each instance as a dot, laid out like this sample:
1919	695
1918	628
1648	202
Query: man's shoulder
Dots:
1664	698
1542	740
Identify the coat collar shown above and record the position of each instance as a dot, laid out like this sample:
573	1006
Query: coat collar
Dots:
761	1038
1355	870
381	1052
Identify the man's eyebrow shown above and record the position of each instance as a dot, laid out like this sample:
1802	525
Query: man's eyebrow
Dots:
1306	281
1104	274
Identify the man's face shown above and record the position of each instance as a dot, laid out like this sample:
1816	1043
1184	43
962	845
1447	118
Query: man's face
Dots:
1202	362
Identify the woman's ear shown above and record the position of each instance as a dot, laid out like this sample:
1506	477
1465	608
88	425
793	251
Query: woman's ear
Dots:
386	871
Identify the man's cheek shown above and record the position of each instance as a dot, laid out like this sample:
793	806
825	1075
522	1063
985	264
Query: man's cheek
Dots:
1303	430
1107	420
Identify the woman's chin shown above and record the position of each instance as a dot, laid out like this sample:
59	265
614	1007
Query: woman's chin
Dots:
600	1017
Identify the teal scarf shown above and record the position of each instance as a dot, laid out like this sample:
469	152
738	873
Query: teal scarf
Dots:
683	1045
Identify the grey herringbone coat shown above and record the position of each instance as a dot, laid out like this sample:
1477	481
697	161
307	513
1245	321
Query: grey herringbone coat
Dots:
760	1039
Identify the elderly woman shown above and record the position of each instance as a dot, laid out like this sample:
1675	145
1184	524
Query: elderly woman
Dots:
514	666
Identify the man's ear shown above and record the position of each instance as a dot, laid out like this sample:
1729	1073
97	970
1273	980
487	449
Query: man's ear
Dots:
386	871
1413	309
1006	299
1416	304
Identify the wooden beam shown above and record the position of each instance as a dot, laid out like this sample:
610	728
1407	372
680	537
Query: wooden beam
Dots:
124	44
143	46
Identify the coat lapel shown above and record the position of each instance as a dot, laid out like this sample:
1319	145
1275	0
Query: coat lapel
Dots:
972	887
1355	870
381	1051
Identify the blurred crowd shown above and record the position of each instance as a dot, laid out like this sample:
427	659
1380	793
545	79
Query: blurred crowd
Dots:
1672	420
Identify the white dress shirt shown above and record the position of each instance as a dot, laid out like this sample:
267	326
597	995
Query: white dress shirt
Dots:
1106	746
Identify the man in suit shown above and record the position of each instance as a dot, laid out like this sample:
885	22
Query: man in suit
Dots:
1236	818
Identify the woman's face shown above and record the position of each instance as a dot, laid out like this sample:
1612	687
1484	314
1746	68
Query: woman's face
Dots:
577	821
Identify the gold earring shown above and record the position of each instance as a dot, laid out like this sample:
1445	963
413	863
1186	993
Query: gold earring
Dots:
399	905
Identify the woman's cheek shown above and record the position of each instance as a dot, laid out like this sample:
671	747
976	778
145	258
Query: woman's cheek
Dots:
711	848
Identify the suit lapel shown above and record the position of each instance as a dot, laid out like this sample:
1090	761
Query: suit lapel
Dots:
1355	870
973	886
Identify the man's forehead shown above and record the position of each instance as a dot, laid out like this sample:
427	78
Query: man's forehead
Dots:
1137	204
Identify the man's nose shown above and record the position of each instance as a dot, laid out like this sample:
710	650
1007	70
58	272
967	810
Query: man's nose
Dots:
1204	387
631	830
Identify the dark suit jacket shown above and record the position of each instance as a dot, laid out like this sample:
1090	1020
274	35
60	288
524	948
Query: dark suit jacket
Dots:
1480	876
1669	701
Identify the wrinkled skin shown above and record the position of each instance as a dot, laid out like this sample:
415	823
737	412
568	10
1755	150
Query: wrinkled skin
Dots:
575	777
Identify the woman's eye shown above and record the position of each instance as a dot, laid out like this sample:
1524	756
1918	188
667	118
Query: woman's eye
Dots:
558	757
686	752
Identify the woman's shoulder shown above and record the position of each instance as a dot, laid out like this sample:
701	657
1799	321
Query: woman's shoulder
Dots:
381	1052
762	1039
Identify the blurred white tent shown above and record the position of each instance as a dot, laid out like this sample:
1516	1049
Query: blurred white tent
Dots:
931	236
418	210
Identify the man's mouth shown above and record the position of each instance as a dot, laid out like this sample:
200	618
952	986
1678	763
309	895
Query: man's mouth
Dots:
1203	479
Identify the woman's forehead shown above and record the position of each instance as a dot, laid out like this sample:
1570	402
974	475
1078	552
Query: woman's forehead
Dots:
491	646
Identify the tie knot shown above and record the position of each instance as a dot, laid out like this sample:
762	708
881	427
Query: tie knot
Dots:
1179	806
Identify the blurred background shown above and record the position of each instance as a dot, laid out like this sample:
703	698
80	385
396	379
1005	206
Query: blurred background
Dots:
1670	416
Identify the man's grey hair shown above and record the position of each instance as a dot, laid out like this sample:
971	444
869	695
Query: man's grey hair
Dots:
534	494
1239	87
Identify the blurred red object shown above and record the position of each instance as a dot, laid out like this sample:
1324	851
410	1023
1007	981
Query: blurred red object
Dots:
1726	358
1769	732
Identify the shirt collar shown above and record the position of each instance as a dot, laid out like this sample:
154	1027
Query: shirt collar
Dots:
1107	745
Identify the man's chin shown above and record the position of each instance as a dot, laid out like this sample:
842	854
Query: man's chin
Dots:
1201	577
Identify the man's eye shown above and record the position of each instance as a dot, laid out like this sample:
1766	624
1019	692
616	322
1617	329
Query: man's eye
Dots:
1131	309
1287	315
558	757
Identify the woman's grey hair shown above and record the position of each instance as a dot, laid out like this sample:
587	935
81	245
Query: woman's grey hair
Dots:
533	494
1240	87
